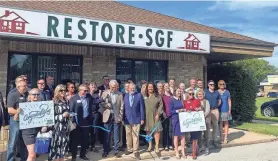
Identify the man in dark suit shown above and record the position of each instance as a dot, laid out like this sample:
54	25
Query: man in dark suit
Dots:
105	85
134	116
44	94
81	105
50	85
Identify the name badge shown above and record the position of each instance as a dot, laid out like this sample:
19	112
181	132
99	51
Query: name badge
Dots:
78	101
21	98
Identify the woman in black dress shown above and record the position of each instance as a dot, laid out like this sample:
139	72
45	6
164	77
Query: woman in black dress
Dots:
61	130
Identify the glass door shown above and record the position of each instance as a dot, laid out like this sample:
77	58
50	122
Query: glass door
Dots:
47	66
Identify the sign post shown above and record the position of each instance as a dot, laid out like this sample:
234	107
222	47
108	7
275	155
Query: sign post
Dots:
36	114
192	121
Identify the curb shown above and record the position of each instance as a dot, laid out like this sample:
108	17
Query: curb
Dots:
172	153
166	154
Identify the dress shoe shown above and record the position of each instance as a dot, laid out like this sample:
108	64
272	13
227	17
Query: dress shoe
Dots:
137	156
104	155
117	155
94	150
84	158
128	152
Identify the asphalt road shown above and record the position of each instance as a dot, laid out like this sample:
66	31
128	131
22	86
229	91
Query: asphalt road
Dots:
255	152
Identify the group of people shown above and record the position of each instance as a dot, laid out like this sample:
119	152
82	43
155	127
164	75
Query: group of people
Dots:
126	112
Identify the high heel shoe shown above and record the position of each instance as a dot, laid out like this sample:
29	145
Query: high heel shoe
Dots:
150	147
178	156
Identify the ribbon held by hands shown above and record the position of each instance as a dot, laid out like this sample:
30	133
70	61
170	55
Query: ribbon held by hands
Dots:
102	128
149	137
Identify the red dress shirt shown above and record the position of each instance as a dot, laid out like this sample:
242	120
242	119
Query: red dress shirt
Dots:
192	104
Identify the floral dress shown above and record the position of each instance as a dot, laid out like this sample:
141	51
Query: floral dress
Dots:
60	137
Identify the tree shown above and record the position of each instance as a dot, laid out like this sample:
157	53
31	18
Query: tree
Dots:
259	68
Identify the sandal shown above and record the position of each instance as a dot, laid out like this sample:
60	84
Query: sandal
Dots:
178	156
225	141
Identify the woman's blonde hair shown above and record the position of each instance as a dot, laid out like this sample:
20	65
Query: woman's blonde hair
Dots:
31	92
57	91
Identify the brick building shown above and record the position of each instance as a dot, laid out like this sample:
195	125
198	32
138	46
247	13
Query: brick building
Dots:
156	55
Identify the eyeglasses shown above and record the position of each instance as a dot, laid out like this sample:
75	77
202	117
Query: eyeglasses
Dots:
211	84
35	94
41	83
72	87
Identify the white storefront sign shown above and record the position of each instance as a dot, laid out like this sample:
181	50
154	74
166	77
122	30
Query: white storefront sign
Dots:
36	114
40	25
192	121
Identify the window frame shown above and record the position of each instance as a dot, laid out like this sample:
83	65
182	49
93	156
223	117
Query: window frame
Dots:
35	63
149	61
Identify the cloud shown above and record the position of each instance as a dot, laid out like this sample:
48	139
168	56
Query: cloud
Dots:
242	5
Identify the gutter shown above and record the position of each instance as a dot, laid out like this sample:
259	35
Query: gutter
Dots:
247	42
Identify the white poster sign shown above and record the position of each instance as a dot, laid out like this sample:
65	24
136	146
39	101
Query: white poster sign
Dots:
49	26
36	114
192	121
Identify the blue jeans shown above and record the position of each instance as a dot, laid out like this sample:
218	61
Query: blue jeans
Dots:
15	139
116	131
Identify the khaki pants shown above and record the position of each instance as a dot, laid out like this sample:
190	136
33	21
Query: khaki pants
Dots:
214	123
206	135
132	137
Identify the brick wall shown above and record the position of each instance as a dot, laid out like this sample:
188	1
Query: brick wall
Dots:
99	61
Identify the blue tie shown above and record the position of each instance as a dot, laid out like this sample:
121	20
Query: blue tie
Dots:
131	100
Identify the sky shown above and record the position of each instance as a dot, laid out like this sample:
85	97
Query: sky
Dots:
257	19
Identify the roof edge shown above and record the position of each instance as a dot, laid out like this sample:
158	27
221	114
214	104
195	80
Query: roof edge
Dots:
253	39
247	42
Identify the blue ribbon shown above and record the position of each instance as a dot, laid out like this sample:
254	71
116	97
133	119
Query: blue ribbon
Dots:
149	137
102	128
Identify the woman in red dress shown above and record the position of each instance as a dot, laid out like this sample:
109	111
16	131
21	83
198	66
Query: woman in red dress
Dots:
192	104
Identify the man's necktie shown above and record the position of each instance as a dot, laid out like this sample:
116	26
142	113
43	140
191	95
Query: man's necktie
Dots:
44	97
131	100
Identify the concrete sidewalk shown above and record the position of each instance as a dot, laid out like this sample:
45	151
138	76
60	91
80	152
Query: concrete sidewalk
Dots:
236	138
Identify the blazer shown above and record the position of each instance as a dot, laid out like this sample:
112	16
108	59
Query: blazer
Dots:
47	95
102	88
4	116
77	107
106	106
133	114
51	91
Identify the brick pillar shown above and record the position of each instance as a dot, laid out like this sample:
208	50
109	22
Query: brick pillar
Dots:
4	46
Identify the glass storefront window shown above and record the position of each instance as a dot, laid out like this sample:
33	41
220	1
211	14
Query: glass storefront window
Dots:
35	67
19	65
138	70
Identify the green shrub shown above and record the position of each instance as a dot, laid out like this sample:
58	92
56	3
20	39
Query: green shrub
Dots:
242	86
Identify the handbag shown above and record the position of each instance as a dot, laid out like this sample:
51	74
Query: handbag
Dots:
42	143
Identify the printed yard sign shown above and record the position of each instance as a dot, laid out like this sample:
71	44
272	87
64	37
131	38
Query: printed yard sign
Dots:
36	114
49	26
192	121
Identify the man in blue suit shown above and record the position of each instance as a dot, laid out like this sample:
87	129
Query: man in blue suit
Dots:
134	116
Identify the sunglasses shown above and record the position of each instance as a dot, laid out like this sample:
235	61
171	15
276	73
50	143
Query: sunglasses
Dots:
35	94
191	94
41	83
72	87
62	90
86	90
211	84
222	84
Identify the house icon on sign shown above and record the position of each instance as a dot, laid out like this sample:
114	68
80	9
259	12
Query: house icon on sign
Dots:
191	42
12	22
